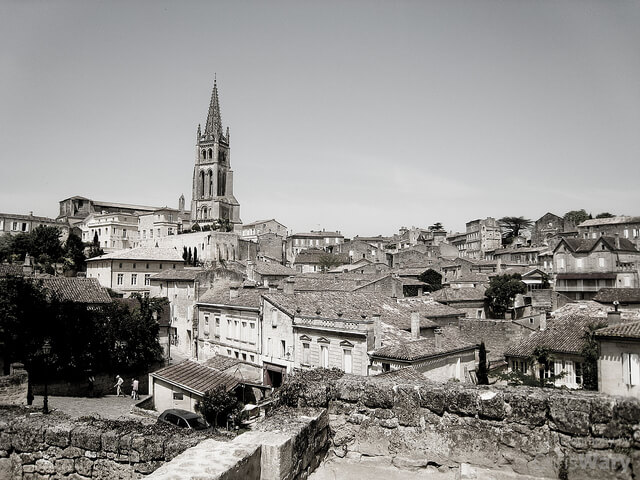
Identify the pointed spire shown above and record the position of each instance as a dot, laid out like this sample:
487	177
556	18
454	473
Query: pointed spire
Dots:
214	121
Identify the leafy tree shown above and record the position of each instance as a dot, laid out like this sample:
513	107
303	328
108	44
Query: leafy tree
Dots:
605	215
576	216
541	358
432	278
483	376
6	247
436	227
74	253
21	244
218	402
501	292
46	241
94	248
328	261
591	353
513	226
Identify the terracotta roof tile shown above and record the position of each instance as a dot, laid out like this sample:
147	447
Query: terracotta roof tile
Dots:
422	348
143	253
220	294
10	269
195	377
77	289
446	295
266	268
622	295
624	330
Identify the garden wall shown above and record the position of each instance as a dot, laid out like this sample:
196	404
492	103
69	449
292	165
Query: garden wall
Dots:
14	387
546	433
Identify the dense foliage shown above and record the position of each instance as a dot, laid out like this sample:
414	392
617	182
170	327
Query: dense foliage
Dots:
576	216
218	403
483	371
512	227
501	292
82	337
591	353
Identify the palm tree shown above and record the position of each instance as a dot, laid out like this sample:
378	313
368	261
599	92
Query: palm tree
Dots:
513	226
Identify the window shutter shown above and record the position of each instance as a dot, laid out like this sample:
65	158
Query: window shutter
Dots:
634	365
625	368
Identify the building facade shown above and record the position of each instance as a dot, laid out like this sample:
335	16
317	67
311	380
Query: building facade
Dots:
482	235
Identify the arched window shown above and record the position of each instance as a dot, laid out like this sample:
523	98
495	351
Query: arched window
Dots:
210	153
204	212
221	183
210	173
204	154
201	183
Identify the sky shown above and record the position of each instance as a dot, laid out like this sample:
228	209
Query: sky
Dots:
357	116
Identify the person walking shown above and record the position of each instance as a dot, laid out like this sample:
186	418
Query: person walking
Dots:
118	385
134	389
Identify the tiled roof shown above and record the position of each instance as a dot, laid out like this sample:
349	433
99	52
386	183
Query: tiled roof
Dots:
624	330
18	216
446	295
315	256
128	206
609	221
188	274
585	245
337	282
10	269
471	277
195	377
422	348
317	234
77	289
143	253
562	335
261	221
352	306
266	268
219	294
622	295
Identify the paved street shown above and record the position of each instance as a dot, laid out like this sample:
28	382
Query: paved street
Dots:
107	407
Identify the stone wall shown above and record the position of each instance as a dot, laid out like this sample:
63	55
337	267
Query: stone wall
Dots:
14	387
38	446
546	433
286	446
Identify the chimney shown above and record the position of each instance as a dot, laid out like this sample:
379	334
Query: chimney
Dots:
614	318
617	241
27	266
377	332
394	293
251	270
288	286
438	337
233	290
415	325
543	321
420	290
273	287
499	264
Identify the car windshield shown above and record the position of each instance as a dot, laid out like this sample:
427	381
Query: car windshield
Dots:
197	423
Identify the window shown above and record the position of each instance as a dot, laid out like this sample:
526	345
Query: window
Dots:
147	279
626	233
578	373
134	265
386	367
631	368
147	266
346	361
177	396
324	356
134	279
124	233
283	348
579	263
560	262
601	262
120	280
120	266
269	347
306	348
274	317
206	326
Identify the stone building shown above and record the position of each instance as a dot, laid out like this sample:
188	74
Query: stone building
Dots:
114	231
251	231
320	240
482	235
545	229
583	266
13	224
625	226
619	361
212	192
162	223
75	209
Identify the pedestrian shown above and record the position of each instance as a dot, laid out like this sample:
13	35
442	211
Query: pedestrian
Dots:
134	389
91	380
118	385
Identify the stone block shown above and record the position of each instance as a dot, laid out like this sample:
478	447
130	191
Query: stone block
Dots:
52	453
433	398
406	405
389	423
76	476
491	405
109	441
371	442
463	401
5	441
627	411
28	437
350	389
5	468
58	435
124	443
72	452
64	466
91	454
45	467
107	470
83	466
601	410
378	396
410	463
30	457
27	469
150	447
86	437
569	414
526	406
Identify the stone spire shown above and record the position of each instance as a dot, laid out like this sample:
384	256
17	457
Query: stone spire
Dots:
214	121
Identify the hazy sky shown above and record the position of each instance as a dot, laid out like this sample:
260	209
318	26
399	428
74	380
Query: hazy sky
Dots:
347	115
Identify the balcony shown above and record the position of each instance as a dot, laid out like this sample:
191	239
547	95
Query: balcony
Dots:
334	324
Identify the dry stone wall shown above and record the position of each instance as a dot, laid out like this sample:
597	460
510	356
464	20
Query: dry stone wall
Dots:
51	447
546	433
13	388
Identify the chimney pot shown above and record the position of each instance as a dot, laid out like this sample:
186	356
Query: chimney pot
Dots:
415	325
289	286
377	332
614	318
438	337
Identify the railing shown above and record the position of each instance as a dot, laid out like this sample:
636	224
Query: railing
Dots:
333	323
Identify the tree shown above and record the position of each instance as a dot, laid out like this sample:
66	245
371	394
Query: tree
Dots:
46	241
74	253
432	278
513	226
94	249
501	292
217	402
21	244
591	353
605	215
436	227
541	358
6	247
483	376
576	217
328	261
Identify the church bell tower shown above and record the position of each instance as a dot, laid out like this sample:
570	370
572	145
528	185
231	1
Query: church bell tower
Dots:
212	194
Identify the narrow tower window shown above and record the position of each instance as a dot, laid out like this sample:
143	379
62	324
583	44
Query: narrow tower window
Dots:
210	153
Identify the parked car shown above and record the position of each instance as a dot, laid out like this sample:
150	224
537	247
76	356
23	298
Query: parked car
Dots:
184	419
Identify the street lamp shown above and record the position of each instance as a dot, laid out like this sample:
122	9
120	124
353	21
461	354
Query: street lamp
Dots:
46	350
